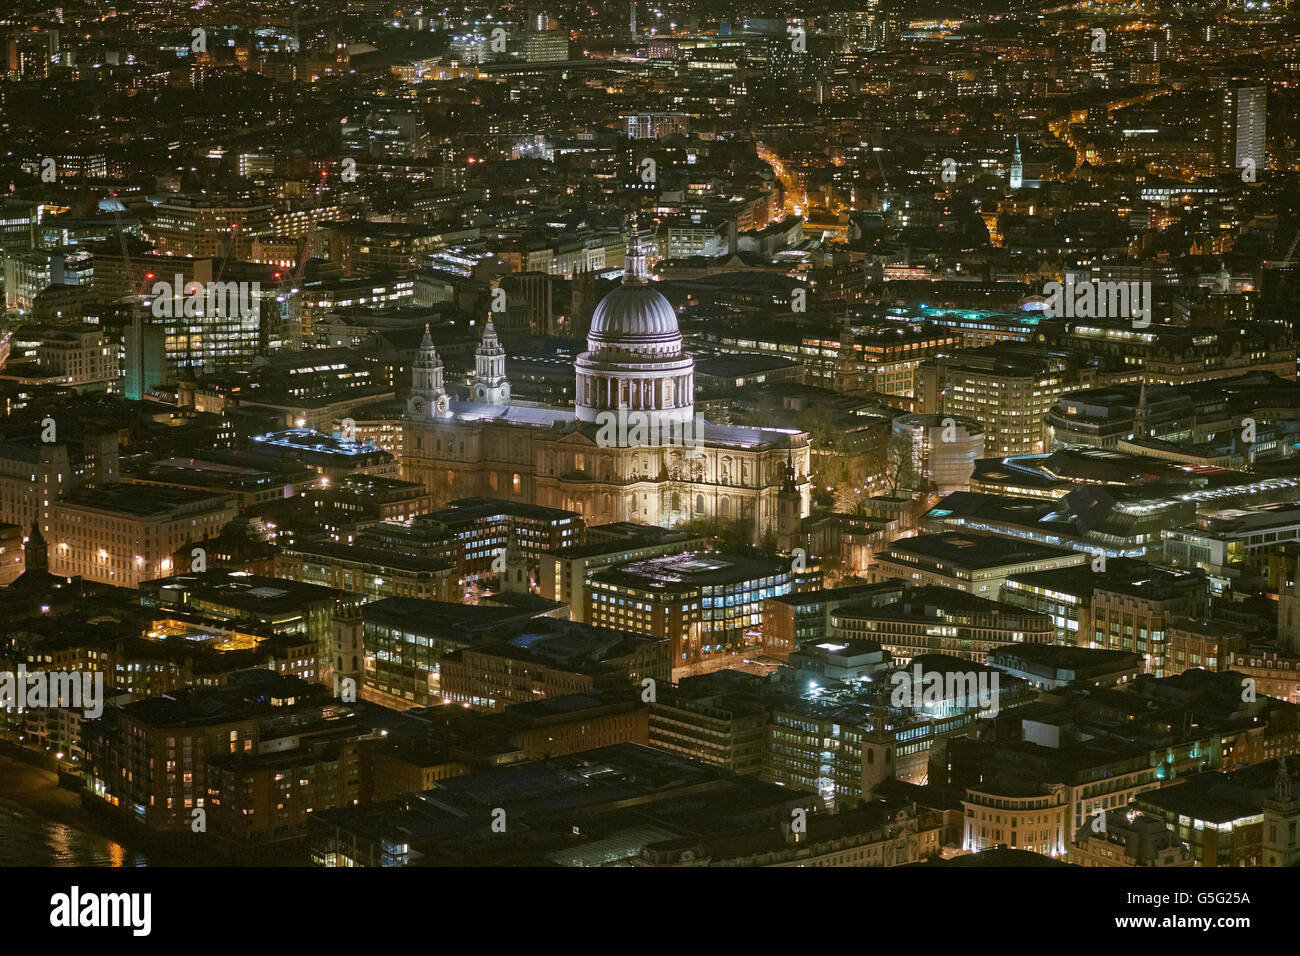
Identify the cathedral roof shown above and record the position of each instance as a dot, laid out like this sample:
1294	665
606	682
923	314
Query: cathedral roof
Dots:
634	313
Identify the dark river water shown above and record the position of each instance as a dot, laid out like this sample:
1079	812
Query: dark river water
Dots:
27	840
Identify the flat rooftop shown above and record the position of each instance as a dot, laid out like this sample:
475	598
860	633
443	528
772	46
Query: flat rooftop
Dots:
131	500
972	550
1061	655
469	509
379	557
849	593
630	536
309	440
238	590
693	569
1080	580
442	618
930	601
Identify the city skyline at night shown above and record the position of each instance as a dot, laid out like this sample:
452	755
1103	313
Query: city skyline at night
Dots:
654	435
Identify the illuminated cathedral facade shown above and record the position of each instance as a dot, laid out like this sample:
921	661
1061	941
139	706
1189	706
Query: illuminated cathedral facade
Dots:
634	370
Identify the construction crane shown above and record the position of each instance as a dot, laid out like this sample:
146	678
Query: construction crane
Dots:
1287	260
126	253
884	196
288	286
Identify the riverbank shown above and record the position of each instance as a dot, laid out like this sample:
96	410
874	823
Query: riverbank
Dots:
43	824
33	789
30	794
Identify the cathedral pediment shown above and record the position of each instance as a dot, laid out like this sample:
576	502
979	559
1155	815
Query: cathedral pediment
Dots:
582	435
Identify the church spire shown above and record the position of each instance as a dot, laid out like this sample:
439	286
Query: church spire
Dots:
634	267
788	482
1140	425
36	554
789	508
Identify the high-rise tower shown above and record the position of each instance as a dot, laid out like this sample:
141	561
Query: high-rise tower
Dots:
1243	116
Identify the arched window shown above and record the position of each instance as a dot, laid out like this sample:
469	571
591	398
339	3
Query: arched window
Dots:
699	502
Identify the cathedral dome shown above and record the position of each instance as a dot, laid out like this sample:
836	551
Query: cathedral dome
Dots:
634	360
633	315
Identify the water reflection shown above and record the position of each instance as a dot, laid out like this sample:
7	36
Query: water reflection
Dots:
27	840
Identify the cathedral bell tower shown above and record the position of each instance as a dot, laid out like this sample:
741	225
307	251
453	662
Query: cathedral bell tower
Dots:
489	386
1281	844
428	399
